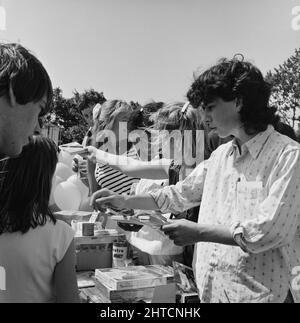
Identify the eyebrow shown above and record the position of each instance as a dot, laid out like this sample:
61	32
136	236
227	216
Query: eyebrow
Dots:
209	104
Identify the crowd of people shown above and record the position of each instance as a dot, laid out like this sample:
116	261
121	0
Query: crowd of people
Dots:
221	168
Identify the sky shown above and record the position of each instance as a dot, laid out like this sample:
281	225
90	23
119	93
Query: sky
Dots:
144	50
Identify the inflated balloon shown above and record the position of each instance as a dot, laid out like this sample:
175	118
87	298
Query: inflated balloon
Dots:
63	171
66	158
75	179
67	196
55	181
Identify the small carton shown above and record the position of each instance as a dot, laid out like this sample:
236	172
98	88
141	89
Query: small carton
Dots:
95	251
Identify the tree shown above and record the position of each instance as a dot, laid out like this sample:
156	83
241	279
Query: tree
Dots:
286	88
87	98
66	113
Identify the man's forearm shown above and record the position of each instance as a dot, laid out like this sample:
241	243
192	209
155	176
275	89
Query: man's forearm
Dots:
185	232
216	234
141	202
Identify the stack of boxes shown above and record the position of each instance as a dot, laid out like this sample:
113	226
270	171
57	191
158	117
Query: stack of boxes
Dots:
133	284
93	244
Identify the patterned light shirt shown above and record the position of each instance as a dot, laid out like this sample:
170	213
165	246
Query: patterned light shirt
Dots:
256	193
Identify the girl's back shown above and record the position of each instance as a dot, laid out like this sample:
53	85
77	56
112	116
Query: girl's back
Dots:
29	261
36	251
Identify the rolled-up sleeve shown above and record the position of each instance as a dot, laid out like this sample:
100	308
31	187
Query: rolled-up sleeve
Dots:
185	194
276	218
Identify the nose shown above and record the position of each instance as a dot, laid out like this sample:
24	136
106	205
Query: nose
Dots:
206	118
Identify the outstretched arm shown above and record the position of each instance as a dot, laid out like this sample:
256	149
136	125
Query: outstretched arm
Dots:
185	232
157	169
106	198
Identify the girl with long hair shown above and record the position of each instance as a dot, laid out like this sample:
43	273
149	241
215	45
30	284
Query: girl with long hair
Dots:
36	250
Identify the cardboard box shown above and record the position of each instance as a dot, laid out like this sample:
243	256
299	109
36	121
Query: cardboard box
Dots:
92	256
95	251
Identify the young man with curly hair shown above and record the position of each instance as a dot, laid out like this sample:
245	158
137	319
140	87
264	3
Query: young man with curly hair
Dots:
246	236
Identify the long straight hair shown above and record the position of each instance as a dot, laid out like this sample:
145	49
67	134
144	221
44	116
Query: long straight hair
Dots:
25	193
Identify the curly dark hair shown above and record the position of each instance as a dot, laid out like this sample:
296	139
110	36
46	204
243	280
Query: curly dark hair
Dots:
236	79
25	193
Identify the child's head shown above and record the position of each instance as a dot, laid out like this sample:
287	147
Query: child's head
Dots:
237	81
24	85
177	124
110	117
26	190
148	112
177	116
21	71
86	103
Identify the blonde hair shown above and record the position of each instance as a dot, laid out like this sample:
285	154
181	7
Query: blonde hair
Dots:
172	117
176	116
111	111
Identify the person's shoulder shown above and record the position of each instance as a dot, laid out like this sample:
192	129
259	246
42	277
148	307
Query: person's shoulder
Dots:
59	227
283	142
286	130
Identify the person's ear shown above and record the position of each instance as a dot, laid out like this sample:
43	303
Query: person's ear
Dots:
238	104
11	96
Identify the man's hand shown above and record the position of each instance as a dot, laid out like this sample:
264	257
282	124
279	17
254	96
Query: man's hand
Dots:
106	198
183	232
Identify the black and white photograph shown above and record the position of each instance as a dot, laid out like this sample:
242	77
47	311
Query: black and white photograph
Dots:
149	154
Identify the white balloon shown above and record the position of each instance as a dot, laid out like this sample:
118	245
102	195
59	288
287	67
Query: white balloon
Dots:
63	171
75	179
66	158
67	196
55	181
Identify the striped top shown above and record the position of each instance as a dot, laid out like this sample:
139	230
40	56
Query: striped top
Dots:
114	180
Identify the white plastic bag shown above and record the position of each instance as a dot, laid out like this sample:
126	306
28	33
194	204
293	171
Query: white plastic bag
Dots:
148	240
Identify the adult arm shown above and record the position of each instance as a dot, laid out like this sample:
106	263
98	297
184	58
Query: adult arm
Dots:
106	198
274	225
185	232
175	198
277	216
156	169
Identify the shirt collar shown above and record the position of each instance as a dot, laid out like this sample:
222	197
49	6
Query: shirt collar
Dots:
255	144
